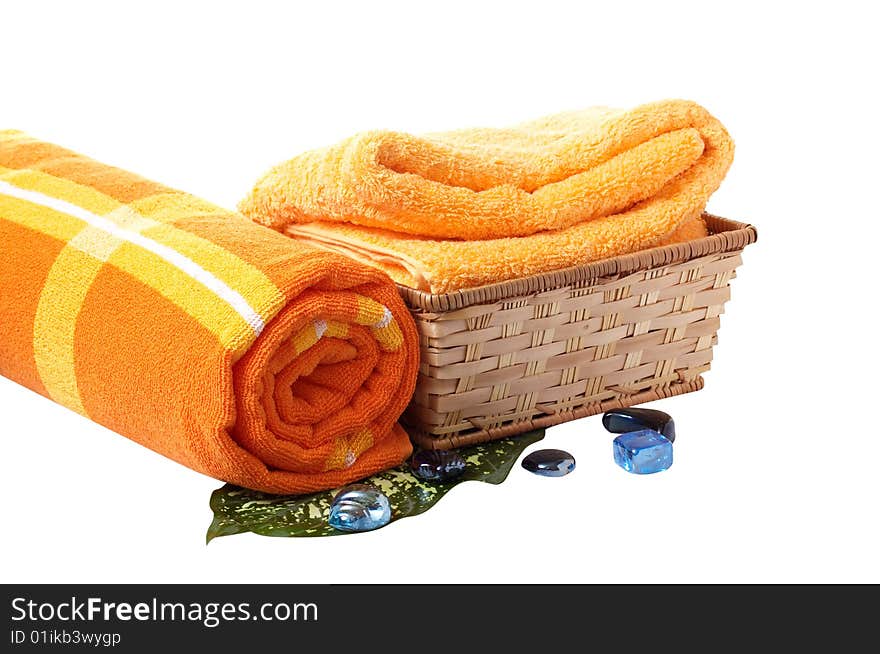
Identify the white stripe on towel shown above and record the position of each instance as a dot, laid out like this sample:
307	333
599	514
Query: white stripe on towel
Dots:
385	319
183	263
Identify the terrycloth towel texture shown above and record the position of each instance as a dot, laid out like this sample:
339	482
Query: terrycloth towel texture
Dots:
466	208
214	341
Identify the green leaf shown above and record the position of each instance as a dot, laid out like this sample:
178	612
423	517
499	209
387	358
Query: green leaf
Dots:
237	510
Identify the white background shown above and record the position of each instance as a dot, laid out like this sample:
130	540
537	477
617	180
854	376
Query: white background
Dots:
775	476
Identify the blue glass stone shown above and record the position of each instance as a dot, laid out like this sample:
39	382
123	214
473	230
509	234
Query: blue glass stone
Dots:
359	507
643	452
621	421
437	465
549	463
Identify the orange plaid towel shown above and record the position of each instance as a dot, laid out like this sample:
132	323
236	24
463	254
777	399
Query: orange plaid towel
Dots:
210	339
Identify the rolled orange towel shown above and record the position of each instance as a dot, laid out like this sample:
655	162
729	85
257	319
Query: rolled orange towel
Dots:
218	343
472	207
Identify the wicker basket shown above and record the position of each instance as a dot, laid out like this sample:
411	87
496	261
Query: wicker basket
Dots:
532	352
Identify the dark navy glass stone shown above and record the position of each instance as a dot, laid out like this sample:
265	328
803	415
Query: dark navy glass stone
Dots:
437	465
621	421
549	463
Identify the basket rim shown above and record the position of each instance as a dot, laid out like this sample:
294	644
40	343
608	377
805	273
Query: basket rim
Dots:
726	235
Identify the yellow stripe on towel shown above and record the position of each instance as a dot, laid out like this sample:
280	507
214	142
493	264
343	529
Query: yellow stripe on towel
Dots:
151	217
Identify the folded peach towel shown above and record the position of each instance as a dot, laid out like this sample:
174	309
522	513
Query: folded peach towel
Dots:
466	208
214	341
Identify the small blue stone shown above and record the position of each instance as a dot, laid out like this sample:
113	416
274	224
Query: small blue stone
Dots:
359	507
643	452
437	465
549	463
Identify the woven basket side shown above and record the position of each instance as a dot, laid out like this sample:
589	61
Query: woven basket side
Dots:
510	365
452	441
